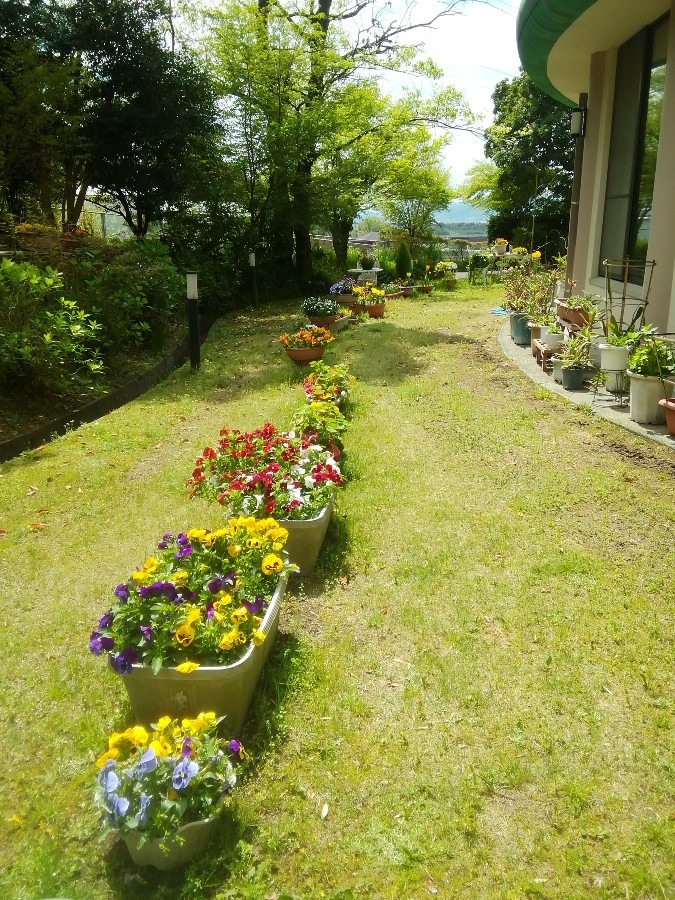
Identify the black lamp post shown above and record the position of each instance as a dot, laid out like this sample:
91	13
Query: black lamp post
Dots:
193	318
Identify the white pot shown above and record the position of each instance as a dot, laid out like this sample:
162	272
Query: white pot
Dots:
551	340
557	369
612	358
645	393
188	842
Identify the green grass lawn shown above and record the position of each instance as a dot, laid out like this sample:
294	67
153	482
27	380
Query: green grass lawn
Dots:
476	684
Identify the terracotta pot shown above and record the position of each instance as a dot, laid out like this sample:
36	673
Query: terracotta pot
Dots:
577	317
395	295
425	288
375	310
302	356
322	321
669	409
450	284
358	308
406	290
226	690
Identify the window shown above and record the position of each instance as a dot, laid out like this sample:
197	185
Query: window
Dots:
636	125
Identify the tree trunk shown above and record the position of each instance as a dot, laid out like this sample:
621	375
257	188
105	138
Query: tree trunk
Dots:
302	220
340	229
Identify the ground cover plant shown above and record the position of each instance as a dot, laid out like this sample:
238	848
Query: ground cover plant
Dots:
472	695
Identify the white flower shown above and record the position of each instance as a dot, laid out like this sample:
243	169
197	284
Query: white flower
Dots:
309	482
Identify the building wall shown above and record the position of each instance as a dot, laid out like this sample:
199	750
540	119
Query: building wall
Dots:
661	248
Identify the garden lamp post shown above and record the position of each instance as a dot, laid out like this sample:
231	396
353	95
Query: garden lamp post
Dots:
254	278
193	318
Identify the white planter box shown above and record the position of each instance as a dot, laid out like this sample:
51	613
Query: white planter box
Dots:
305	537
225	690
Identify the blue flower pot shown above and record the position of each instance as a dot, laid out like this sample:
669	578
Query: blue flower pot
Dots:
519	330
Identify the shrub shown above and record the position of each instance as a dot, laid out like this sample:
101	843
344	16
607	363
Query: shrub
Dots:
45	340
404	263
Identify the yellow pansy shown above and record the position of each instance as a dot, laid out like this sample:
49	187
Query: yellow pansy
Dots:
257	621
187	667
229	640
197	534
272	564
110	754
180	578
254	543
185	634
116	740
258	637
224	599
137	736
239	615
161	746
233	550
163	723
194	615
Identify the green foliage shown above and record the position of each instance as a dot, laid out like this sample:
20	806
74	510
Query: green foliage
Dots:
529	169
322	418
133	289
403	260
653	357
576	353
47	343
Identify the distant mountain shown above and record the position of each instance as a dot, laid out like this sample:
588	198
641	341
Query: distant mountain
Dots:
458	211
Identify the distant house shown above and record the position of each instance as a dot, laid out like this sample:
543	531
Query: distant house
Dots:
616	59
369	241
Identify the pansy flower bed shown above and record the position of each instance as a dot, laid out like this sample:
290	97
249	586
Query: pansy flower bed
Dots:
152	782
309	336
327	382
266	472
198	601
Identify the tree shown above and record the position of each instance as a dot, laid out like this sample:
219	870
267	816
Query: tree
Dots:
416	187
532	156
298	67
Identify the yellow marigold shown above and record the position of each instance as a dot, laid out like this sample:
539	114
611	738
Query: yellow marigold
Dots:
187	667
229	639
258	637
272	564
109	754
185	634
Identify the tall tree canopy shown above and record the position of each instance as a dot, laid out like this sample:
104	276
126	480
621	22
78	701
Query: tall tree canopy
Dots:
531	163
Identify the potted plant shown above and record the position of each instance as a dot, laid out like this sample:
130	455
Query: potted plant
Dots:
161	791
321	311
500	246
372	299
426	287
341	320
343	286
392	291
576	357
408	285
367	262
550	333
652	361
668	406
328	383
620	337
321	422
447	271
578	311
192	627
306	344
268	472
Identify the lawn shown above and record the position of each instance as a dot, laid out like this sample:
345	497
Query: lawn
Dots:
472	696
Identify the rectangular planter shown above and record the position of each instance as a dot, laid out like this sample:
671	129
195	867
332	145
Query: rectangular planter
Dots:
305	537
225	690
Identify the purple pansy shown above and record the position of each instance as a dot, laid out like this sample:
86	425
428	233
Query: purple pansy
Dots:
124	661
147	763
186	749
122	592
106	619
254	606
157	589
185	550
143	808
146	631
167	536
117	807
162	545
107	777
99	644
216	584
235	747
184	772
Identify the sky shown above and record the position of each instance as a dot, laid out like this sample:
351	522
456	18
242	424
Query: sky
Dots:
475	49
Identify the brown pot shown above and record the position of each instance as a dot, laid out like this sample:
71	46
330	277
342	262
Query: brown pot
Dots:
322	321
302	356
395	295
357	308
375	310
669	409
450	284
425	288
577	317
406	290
